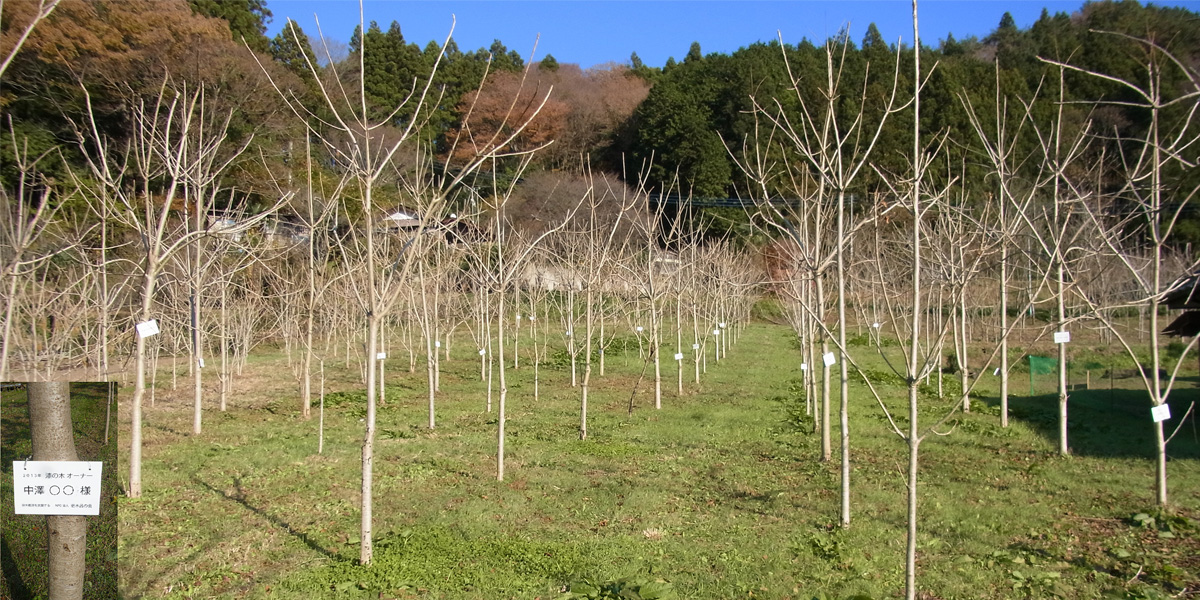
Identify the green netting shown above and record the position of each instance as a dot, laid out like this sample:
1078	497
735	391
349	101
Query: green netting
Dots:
1042	365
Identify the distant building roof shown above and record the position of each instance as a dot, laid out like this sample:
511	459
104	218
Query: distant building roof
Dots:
1185	325
1186	293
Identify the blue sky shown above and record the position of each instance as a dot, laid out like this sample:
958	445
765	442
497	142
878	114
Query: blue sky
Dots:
590	32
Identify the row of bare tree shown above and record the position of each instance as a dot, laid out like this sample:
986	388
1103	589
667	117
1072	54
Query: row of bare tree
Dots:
161	260
1066	226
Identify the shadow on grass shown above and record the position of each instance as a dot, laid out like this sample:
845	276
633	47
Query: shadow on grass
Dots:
240	497
165	429
12	574
1111	423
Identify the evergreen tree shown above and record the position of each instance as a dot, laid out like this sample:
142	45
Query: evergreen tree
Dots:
873	42
504	59
676	132
1012	48
292	49
639	68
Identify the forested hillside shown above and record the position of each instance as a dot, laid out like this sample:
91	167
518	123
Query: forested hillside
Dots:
686	123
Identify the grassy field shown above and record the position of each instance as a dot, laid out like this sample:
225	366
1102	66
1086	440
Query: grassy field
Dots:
23	537
717	495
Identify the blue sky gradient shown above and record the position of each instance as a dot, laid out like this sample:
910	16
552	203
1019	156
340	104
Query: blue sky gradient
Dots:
592	32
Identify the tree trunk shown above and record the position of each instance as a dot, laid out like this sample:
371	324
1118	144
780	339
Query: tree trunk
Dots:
366	550
430	335
139	387
1003	324
844	390
500	421
587	367
197	361
1063	448
226	374
826	445
53	439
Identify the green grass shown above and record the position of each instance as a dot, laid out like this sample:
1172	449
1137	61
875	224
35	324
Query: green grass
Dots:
23	555
719	494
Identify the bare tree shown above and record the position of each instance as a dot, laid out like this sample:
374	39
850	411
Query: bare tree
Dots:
26	214
1158	197
836	151
598	240
367	145
1011	199
175	143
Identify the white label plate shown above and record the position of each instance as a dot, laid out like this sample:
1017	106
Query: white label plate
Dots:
1162	412
678	356
829	359
147	328
51	487
1062	337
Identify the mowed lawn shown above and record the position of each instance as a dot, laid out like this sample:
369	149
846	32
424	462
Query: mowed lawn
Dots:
720	494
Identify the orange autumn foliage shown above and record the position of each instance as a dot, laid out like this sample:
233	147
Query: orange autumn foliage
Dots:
584	107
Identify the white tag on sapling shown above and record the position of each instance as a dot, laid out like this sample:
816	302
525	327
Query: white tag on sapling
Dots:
381	356
803	366
1162	412
482	352
147	328
829	359
678	356
695	346
1062	337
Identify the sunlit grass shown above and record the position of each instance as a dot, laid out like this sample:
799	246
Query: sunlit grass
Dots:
719	493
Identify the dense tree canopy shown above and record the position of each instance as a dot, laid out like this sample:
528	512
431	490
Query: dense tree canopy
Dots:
686	123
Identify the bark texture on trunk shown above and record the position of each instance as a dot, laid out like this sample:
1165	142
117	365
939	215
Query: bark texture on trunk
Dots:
53	439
